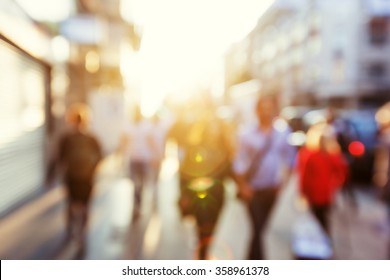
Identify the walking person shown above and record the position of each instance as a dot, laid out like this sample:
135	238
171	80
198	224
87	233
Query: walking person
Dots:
382	161
78	156
204	163
159	130
138	142
263	163
322	170
344	135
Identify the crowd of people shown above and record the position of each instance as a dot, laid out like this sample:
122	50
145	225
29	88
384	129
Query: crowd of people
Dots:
259	160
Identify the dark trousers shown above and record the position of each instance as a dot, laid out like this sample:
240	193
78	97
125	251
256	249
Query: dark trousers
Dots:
321	213
79	194
260	208
139	172
207	212
388	224
205	207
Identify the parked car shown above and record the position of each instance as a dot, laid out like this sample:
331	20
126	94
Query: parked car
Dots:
361	138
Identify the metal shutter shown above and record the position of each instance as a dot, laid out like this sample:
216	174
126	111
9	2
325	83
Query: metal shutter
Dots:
22	120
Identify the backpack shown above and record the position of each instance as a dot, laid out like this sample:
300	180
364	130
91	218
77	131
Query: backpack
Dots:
203	166
80	153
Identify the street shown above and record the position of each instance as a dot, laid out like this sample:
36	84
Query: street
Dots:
161	233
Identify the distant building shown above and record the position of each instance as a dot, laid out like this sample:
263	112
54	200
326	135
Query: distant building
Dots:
316	52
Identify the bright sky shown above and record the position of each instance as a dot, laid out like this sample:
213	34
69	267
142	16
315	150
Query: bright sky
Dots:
48	10
183	40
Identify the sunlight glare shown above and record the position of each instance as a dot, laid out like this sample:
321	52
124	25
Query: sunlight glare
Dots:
183	41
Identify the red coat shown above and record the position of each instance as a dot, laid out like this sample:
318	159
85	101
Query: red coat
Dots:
320	175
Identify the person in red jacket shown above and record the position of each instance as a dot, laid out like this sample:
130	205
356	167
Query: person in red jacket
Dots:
322	170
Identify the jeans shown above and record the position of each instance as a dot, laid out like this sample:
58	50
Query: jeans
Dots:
139	173
260	208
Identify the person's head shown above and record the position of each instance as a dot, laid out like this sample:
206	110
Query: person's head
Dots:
266	109
331	115
321	137
383	117
78	115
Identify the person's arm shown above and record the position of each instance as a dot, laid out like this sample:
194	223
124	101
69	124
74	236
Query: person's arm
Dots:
240	166
244	190
57	156
290	158
381	165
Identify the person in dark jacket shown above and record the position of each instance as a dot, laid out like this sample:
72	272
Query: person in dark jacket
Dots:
205	152
79	153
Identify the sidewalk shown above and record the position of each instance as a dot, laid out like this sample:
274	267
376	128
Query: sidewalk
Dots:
36	231
360	234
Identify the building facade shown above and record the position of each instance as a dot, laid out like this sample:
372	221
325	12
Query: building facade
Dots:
25	76
318	52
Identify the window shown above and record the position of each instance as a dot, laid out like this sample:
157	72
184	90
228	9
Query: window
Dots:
377	70
378	30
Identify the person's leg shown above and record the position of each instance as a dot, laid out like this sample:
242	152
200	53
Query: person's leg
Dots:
69	219
207	213
260	209
321	213
85	186
156	168
155	176
349	194
254	208
136	177
388	225
204	233
84	216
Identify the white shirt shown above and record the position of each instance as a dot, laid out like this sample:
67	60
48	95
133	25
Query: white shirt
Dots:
278	155
140	136
159	131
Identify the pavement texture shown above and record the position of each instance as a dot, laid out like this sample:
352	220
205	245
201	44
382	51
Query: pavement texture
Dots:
36	230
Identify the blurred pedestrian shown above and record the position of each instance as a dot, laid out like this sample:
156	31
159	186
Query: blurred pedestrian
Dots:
322	170
204	163
382	160
78	155
159	131
344	136
262	156
138	142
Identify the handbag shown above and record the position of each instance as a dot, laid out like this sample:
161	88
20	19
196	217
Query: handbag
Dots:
308	241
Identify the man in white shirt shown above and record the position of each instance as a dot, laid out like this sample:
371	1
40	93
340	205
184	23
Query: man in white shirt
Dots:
159	130
263	161
139	152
